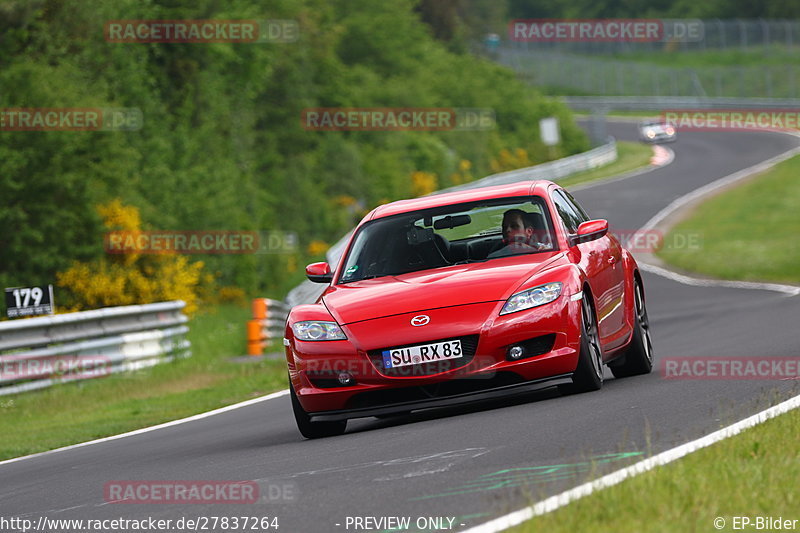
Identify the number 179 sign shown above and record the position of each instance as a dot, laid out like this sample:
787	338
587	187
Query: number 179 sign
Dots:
29	301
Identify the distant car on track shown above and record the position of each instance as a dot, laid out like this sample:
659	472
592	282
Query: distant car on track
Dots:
463	296
656	131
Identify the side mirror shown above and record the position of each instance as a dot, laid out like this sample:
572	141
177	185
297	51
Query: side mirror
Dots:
589	231
319	272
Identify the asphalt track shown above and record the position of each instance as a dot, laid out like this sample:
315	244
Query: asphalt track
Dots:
469	463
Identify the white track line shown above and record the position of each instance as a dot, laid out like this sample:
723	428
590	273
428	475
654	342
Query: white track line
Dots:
153	428
248	402
697	195
710	188
560	500
631	174
223	409
645	266
789	290
609	480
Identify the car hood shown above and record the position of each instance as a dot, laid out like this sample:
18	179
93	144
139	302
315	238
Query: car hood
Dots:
493	280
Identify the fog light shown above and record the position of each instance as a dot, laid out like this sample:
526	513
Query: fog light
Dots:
515	352
345	378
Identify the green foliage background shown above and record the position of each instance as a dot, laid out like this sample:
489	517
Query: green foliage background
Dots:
222	145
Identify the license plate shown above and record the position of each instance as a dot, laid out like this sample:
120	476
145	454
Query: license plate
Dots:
423	353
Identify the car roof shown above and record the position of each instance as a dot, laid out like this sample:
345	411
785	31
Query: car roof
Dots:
520	188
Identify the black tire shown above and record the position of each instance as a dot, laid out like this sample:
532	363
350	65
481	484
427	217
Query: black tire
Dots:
588	375
638	358
314	430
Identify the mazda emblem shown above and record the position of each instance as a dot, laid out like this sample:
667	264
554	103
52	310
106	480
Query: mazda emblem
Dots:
420	320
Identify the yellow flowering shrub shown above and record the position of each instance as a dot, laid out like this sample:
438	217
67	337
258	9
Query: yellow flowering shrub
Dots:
118	216
233	295
508	160
463	174
423	183
317	247
344	200
128	279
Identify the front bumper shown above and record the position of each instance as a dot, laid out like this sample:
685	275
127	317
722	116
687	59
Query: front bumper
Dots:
443	400
659	138
487	374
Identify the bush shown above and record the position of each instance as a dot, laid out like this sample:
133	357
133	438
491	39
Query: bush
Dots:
128	279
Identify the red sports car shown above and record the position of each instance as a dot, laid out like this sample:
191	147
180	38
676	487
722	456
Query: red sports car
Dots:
465	296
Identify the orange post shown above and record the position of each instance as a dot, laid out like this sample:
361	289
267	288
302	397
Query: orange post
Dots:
260	306
255	339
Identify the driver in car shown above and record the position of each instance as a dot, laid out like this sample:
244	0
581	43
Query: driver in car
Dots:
520	234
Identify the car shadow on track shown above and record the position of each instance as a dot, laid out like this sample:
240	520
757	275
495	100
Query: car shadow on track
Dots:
539	396
534	397
284	435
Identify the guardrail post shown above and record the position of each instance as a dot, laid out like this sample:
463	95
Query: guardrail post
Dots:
255	341
269	317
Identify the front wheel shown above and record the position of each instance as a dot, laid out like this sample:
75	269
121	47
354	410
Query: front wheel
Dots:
638	358
314	430
588	375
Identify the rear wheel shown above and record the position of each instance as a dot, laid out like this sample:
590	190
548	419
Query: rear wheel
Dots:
588	375
314	430
638	358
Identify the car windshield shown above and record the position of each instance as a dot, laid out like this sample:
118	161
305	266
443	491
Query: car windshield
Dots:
445	236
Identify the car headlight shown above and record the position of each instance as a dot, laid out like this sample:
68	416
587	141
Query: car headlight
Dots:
527	299
318	330
650	133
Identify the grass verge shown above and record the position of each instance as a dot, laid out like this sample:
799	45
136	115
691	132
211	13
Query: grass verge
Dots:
752	474
77	412
630	156
68	414
746	233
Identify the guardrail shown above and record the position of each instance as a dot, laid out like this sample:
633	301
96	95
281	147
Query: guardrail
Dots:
308	292
269	319
39	352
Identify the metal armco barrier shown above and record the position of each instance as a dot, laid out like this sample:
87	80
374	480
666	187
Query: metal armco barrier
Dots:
36	353
269	319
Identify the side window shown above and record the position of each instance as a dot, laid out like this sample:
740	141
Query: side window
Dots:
571	217
575	205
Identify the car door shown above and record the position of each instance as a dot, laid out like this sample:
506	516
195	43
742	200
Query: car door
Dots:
601	260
